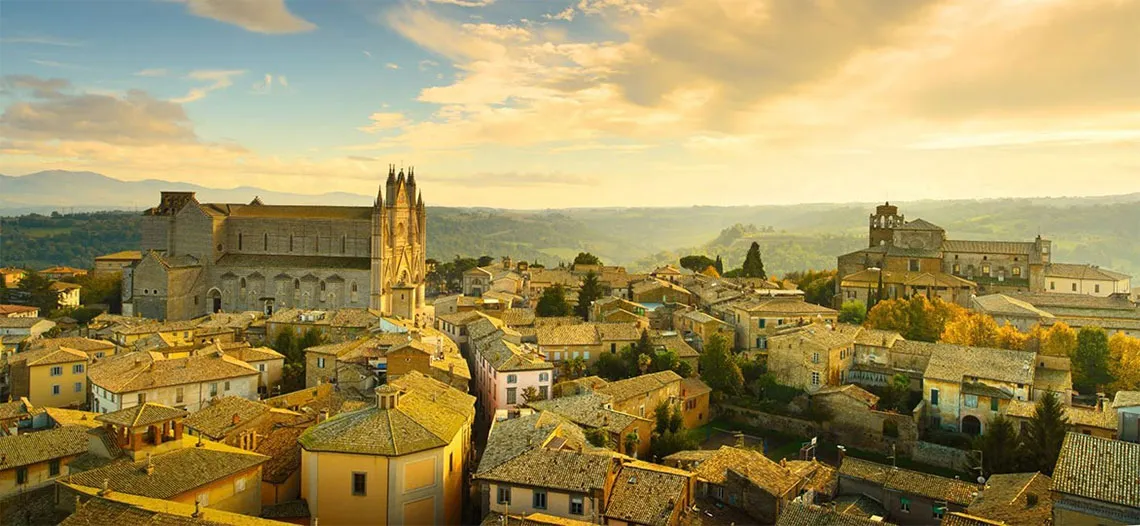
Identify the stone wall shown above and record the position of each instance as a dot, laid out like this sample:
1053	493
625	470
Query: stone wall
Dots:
854	424
784	424
942	456
325	237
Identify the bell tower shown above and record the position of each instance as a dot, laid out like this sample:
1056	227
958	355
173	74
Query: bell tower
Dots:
883	223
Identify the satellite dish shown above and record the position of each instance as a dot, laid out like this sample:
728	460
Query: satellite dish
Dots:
981	479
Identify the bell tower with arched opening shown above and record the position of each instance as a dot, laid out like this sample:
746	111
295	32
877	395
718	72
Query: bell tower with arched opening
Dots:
883	223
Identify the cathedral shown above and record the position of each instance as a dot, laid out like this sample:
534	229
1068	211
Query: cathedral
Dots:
200	258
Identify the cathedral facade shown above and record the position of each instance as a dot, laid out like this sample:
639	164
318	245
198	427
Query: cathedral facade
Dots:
200	258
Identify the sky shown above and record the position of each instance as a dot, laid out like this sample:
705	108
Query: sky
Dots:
572	103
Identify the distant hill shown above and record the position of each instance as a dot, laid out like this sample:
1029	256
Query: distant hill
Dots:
1099	230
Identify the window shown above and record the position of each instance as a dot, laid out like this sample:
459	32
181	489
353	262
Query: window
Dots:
1016	270
1052	285
814	357
512	378
22	475
575	354
904	504
511	395
343	244
544	377
142	398
957	268
985	269
78	368
214	389
1096	288
761	322
359	484
178	396
543	392
912	265
57	370
450	462
261	367
971	400
814	378
79	387
55	390
993	404
539	499
613	347
504	495
53	468
265	241
577	506
227	385
1074	287
100	353
934	397
321	363
239	240
290	242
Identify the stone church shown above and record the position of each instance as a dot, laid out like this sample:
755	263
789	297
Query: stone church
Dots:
200	258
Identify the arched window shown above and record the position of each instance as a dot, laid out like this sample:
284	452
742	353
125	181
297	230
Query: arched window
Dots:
242	284
343	244
352	292
265	241
239	240
290	242
322	286
296	284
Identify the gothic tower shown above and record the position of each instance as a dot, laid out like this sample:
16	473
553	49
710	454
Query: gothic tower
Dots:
399	247
883	223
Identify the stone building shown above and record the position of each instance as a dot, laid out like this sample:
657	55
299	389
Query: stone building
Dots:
199	258
920	248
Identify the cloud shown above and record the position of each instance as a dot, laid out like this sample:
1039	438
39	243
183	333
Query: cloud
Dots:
517	180
155	72
57	114
367	53
392	65
41	40
259	16
54	64
427	64
565	14
284	82
220	79
264	85
465	3
382	121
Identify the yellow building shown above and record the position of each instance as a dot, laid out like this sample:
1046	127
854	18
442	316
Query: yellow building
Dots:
695	402
115	263
964	387
174	334
97	507
32	460
813	356
50	377
400	461
142	451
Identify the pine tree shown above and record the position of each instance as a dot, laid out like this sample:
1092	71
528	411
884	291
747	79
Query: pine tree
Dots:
591	290
1000	452
1045	434
553	302
719	265
753	264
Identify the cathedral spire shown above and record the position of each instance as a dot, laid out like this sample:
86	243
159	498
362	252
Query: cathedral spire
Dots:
391	174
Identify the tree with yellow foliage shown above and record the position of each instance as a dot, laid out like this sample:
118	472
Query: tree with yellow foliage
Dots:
1009	337
1058	340
974	329
916	318
1124	362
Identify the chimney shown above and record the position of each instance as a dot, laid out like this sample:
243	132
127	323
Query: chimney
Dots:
149	465
842	453
106	488
324	415
236	419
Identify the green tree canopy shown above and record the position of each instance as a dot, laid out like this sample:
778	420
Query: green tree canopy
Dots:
1001	452
697	263
590	292
552	302
1045	434
753	265
718	369
484	261
586	258
853	312
1091	360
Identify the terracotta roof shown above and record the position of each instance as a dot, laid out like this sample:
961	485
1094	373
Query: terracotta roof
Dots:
581	334
1083	271
852	391
954	362
566	470
1126	399
507	356
133	255
71	417
819	335
1006	498
253	354
800	514
957	518
785	306
148	327
623	390
518	317
6	310
877	338
23	323
918	224
175	472
1078	416
17	409
646	493
859	506
675	343
988	247
908	278
1099	469
587	410
48	356
118	509
765	473
142	415
907	481
691	387
1001	304
422	419
31	448
284	452
1053	300
221	416
511	438
533	519
618	331
86	345
460	318
134	371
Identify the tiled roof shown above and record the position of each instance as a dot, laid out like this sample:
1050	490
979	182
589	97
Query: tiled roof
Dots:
851	390
86	345
1099	469
134	371
1051	300
800	514
71	417
1006	498
1001	304
118	509
218	418
533	519
919	224
48	356
1126	399
646	493
15	309
518	317
988	247
460	318
765	473
623	390
284	452
31	448
675	343
691	387
426	416
359	213
859	506
907	481
22	323
125	254
824	336
510	438
1085	271
618	331
253	354
580	334
954	362
506	356
142	415
906	277
175	472
877	338
587	410
354	318
16	409
293	509
1078	416
957	518
566	470
785	306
